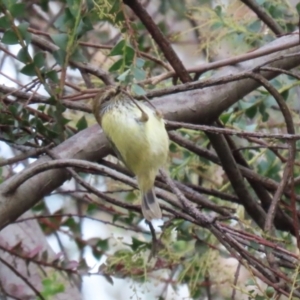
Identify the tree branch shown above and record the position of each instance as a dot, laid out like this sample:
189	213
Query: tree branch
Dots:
263	15
90	144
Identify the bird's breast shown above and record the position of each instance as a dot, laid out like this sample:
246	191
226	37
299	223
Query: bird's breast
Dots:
142	145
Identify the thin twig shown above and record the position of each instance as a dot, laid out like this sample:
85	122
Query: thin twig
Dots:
24	278
263	16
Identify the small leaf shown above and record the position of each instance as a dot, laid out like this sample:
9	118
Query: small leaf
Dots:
65	22
23	29
137	244
52	75
82	123
116	66
109	279
255	26
120	18
218	11
74	7
10	38
115	7
139	63
173	148
118	49
298	8
139	74
60	56
60	40
137	89
251	111
217	25
44	5
9	3
90	4
129	55
84	26
123	76
39	59
225	117
285	94
24	139
17	10
103	244
23	55
78	56
29	70
4	22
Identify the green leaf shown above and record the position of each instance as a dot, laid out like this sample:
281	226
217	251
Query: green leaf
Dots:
65	22
120	18
129	55
103	244
9	3
118	49
52	75
254	245
251	111
14	110
116	66
29	70
61	40
51	287
4	22
123	76
23	29
60	56
217	25
263	112
82	123
74	7
84	26
137	244
44	5
255	26
250	282
39	59
173	147
23	55
90	4
225	117
139	63
285	94
138	74
115	7
10	38
78	56
298	8
137	89
22	140
218	11
70	222
18	10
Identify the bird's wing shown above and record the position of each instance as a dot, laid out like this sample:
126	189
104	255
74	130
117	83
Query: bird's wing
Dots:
117	152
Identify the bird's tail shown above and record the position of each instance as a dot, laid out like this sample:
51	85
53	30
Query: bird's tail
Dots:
150	206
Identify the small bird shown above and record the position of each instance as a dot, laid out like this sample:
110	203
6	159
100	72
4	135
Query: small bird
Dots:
139	138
